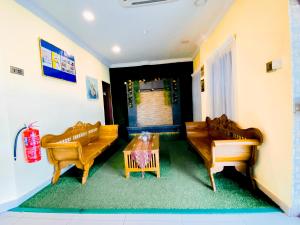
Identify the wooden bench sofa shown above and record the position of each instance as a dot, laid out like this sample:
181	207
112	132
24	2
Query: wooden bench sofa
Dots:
78	145
221	142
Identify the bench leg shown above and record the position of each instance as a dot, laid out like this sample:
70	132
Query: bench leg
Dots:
250	175
56	174
86	169
212	180
158	173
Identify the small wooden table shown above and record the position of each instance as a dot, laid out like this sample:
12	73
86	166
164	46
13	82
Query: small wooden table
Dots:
153	164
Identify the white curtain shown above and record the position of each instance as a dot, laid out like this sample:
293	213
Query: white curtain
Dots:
196	89
221	86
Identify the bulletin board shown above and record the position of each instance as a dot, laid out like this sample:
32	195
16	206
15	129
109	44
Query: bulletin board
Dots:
56	62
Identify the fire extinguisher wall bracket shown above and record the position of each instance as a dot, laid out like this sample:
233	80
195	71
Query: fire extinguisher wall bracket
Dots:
16	141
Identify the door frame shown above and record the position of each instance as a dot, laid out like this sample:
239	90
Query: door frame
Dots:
107	88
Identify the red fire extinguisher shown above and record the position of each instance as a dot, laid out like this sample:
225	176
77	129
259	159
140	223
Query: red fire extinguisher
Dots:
31	142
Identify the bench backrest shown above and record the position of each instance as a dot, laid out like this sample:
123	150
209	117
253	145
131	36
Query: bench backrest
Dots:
81	132
93	131
223	128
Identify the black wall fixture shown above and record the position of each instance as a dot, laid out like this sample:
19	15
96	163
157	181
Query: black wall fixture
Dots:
179	72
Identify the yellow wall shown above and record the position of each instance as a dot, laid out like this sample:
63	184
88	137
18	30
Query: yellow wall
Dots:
263	100
196	61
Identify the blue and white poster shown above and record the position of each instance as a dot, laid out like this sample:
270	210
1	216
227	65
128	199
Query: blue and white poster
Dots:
56	62
92	88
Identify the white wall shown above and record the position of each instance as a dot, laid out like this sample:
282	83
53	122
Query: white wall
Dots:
55	104
8	190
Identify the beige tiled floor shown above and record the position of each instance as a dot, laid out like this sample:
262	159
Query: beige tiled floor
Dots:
11	218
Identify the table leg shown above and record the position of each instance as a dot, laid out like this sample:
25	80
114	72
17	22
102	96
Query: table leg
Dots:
158	173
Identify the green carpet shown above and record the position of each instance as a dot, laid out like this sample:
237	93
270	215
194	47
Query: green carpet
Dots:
184	185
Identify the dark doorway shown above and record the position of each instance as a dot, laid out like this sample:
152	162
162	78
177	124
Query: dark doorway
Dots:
107	103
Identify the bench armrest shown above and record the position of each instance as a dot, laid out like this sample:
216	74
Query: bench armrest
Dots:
241	142
62	151
108	131
235	149
196	129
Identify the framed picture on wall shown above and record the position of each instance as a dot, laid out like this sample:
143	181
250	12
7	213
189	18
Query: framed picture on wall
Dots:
92	88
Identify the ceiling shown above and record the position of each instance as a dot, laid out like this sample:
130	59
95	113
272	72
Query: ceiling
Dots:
169	31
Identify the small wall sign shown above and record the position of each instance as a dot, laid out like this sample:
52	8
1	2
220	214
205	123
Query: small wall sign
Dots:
202	85
16	70
202	71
